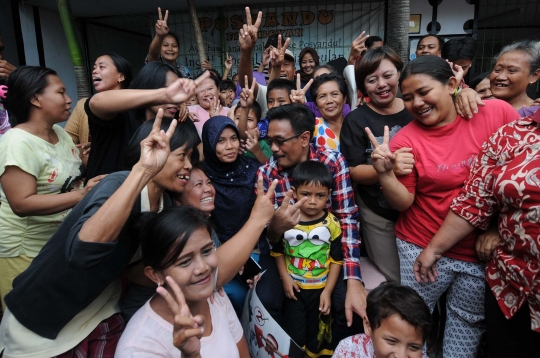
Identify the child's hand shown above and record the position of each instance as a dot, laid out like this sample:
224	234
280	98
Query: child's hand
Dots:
228	62
325	301
289	286
242	147
252	142
299	94
247	95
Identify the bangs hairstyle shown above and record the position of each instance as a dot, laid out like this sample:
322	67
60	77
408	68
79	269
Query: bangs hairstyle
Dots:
433	66
280	84
463	48
255	107
164	235
23	84
227	85
389	299
476	81
328	77
301	118
122	66
371	61
531	50
310	172
184	134
173	35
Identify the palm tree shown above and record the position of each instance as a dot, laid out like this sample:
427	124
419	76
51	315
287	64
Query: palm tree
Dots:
197	29
397	24
83	86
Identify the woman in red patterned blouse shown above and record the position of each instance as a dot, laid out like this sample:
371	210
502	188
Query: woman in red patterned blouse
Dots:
504	184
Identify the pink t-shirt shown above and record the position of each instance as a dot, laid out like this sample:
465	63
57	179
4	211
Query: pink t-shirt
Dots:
358	346
204	116
443	156
149	335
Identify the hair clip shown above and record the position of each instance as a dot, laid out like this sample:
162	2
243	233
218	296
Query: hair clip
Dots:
3	91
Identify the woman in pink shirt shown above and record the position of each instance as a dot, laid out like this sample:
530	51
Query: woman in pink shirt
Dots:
444	145
209	105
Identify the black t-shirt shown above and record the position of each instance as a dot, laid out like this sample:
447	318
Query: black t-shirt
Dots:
68	274
357	148
109	140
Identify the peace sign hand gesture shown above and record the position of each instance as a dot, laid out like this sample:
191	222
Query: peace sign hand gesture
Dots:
299	94
247	96
277	55
382	158
161	25
228	62
155	148
249	32
187	330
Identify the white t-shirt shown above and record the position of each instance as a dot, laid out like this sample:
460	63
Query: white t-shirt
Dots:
149	335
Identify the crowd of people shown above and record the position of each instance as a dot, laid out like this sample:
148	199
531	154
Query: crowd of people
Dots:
125	233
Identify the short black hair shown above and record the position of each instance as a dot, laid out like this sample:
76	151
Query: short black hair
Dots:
184	134
255	107
153	75
273	41
122	66
391	298
463	48
164	235
328	77
476	81
371	61
330	68
23	83
279	83
300	117
439	39
227	84
433	66
311	172
371	40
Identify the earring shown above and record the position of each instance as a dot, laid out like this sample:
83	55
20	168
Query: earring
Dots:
159	284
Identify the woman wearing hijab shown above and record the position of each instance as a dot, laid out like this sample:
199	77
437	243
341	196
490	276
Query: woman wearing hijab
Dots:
233	177
309	60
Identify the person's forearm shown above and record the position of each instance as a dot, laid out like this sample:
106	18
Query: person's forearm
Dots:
234	253
275	73
242	122
259	154
395	193
245	68
105	225
154	51
364	174
226	74
272	233
453	230
41	205
107	105
333	276
282	268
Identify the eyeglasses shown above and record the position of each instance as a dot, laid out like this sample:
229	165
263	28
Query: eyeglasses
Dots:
280	142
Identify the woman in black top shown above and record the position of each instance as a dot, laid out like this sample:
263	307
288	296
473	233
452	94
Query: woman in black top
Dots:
377	77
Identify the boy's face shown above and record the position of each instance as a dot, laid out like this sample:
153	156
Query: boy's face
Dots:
395	338
252	120
278	97
226	97
317	197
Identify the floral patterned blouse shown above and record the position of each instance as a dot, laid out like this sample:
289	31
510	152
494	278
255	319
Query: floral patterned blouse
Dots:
358	346
505	180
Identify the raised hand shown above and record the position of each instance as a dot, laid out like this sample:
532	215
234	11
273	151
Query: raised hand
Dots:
266	57
382	158
358	47
252	141
457	70
277	55
206	65
287	215
249	32
187	330
215	107
6	68
228	62
263	209
161	25
183	89
299	94
247	96
155	148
